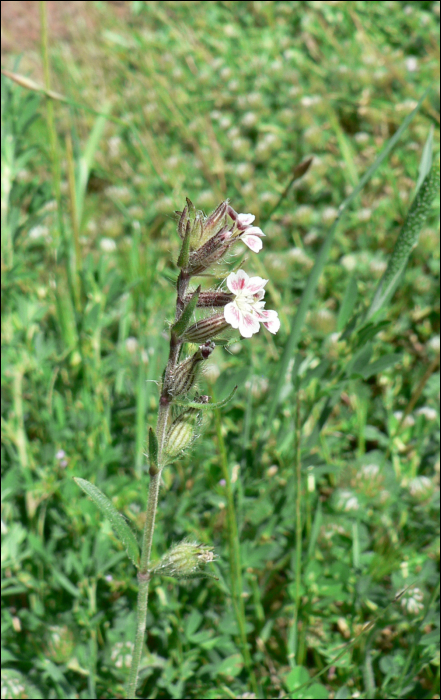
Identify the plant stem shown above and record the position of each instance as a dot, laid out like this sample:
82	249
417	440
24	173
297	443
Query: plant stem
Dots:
152	503
298	573
234	553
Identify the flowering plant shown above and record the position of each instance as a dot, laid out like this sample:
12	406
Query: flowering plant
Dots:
205	241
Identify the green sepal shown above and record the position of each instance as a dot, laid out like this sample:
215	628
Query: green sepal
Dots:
153	453
184	255
117	521
179	328
207	406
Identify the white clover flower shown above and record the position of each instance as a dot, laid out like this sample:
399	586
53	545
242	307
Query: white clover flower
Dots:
347	501
434	343
369	471
420	487
412	601
131	345
411	64
250	234
108	245
247	311
428	412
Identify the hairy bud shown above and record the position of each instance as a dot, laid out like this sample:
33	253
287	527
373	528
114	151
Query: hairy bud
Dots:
210	299
206	329
185	374
182	433
185	561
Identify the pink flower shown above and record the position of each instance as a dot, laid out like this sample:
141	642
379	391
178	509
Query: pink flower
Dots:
247	311
250	235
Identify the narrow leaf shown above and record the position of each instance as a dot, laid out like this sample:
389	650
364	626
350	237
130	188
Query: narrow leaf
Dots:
207	406
122	530
380	365
181	326
360	360
348	303
85	162
153	452
426	160
184	255
406	241
315	274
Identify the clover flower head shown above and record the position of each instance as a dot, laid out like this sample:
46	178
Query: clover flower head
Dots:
246	312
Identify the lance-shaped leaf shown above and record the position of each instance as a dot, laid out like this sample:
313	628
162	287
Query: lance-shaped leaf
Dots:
122	530
406	241
185	250
179	328
208	406
153	453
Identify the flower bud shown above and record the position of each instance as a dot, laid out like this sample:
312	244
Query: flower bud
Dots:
199	228
207	328
181	433
185	561
209	299
215	222
186	372
210	252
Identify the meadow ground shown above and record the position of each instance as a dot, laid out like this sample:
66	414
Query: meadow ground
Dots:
328	451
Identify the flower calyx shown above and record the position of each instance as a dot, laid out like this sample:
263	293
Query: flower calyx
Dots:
186	373
185	561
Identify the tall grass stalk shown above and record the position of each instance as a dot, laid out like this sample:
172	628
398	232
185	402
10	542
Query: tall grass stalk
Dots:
234	554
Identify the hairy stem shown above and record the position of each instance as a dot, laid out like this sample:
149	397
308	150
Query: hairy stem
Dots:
152	503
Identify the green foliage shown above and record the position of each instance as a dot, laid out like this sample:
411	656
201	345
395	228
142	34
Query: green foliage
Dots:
212	101
118	523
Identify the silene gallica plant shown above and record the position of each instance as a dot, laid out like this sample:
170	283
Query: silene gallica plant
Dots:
205	242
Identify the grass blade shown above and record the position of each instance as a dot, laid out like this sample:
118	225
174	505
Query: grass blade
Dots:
406	241
314	276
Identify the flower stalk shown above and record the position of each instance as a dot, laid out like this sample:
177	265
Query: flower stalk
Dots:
204	243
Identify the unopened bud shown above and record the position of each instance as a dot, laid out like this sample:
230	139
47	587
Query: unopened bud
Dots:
185	561
215	222
186	373
210	252
206	329
181	433
210	299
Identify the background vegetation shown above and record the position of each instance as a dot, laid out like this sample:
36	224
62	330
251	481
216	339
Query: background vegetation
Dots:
335	477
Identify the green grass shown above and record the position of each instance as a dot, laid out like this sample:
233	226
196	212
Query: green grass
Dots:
331	442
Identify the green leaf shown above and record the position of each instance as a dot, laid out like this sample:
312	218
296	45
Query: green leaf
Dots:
296	677
184	255
122	530
181	326
207	406
380	365
406	241
360	360
426	160
231	666
315	274
348	303
85	161
342	693
153	452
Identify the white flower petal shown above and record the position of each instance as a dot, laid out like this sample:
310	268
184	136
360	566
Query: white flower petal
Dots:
244	220
232	314
253	242
255	285
254	231
273	323
248	325
236	281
